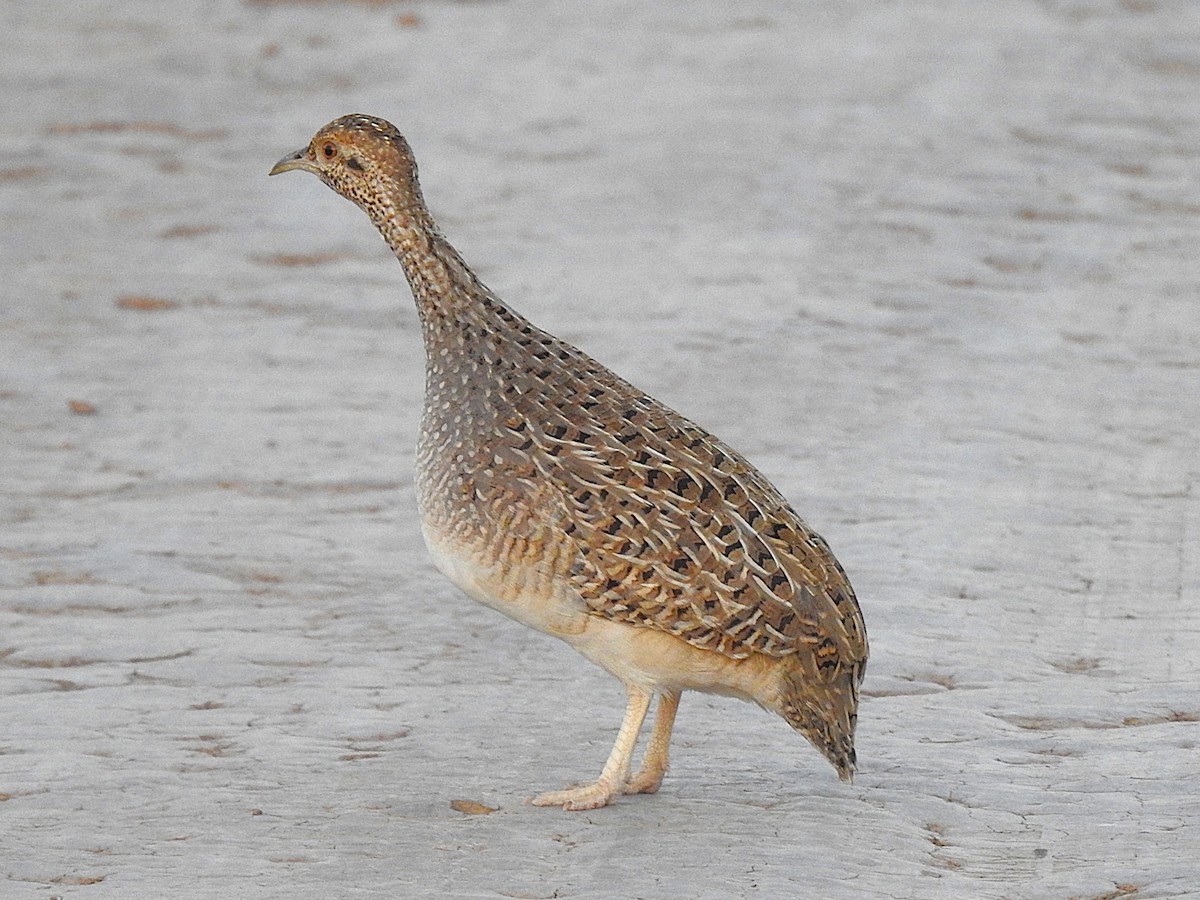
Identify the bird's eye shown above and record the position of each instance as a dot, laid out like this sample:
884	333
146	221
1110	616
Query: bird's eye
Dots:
329	150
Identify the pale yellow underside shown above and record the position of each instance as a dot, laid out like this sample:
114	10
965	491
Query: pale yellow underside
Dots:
645	657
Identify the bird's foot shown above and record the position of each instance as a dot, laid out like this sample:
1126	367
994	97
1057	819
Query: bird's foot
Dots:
573	799
647	781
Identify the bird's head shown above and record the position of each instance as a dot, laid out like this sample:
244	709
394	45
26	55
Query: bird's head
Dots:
364	159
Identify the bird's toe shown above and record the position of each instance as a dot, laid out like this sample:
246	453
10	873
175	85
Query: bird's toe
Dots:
575	799
644	782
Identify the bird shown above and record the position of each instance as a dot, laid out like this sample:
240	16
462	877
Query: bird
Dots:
556	492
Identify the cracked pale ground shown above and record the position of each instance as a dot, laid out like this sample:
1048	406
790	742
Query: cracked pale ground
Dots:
930	265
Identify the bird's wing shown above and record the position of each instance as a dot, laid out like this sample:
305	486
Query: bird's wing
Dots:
673	530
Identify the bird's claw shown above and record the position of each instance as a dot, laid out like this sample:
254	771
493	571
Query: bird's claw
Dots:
575	799
644	782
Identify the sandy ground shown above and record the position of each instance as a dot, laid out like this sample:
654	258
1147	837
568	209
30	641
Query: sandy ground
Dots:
931	265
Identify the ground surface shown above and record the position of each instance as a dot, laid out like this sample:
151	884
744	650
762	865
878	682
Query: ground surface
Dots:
931	265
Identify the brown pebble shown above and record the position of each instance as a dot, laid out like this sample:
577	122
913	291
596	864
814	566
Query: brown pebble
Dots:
145	304
471	808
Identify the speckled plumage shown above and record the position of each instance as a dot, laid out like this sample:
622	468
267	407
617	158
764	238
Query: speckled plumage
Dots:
561	495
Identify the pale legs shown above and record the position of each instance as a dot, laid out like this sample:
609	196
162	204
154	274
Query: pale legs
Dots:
614	779
654	763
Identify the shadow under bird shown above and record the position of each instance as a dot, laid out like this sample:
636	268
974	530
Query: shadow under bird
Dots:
558	493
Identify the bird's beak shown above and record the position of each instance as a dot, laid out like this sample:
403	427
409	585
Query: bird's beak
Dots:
294	161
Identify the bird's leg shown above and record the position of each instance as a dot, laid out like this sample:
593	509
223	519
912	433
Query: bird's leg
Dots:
616	771
654	763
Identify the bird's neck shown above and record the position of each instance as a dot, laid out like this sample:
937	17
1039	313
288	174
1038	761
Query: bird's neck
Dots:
447	293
